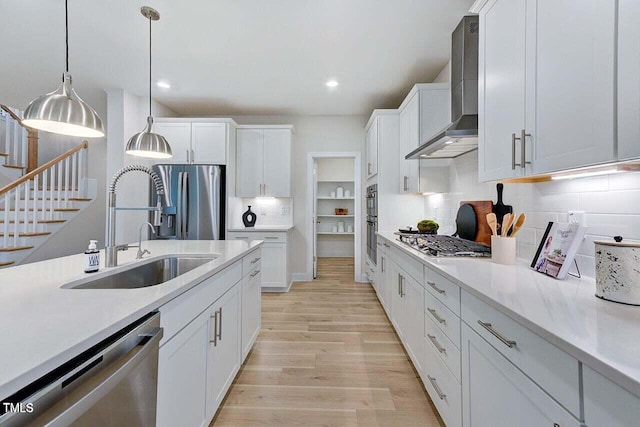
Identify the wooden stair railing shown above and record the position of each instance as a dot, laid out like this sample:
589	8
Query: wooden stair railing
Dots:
32	140
36	197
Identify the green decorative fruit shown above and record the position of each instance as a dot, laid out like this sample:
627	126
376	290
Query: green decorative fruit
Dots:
428	226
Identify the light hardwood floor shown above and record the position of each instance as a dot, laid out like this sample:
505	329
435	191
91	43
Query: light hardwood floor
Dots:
327	356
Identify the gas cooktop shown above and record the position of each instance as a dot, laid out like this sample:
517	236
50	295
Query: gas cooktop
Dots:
442	246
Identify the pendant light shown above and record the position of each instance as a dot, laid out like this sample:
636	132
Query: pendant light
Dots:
147	143
63	111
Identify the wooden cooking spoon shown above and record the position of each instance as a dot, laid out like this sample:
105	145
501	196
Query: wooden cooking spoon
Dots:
492	220
507	220
518	224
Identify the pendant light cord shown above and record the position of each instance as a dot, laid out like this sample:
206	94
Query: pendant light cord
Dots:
66	26
149	66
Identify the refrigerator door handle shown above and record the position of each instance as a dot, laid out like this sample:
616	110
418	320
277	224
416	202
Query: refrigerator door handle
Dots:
179	208
185	203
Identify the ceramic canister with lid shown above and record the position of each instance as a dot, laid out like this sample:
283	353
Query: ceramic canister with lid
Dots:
618	271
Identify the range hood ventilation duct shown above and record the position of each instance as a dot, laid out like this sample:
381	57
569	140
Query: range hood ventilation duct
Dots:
461	136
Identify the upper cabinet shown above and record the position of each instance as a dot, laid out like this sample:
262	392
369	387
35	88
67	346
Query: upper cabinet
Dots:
628	81
195	142
263	161
546	86
372	149
424	112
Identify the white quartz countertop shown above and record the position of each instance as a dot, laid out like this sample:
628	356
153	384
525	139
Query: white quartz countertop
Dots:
260	228
44	325
603	335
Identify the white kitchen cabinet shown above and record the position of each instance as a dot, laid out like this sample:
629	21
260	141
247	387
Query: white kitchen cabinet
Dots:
181	376
372	149
607	404
501	87
263	162
496	393
251	307
413	302
382	273
397	311
546	86
628	81
274	272
178	135
195	142
209	143
224	352
409	141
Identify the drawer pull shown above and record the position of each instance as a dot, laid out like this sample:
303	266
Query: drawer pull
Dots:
271	237
435	342
241	237
255	260
386	245
436	288
435	385
488	327
435	315
255	273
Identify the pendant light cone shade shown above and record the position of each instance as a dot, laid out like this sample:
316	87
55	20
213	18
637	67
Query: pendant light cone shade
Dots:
63	111
147	143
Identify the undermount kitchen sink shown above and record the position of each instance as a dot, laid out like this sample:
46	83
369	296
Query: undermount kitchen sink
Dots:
150	273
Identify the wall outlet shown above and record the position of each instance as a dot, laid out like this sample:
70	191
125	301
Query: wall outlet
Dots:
286	211
577	217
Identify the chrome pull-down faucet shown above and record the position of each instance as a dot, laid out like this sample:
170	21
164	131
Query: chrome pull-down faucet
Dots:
111	250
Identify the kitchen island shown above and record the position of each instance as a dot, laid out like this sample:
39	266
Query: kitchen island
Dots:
46	324
486	338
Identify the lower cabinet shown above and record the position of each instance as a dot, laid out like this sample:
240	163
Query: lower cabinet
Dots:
181	379
607	404
275	257
497	393
223	356
251	308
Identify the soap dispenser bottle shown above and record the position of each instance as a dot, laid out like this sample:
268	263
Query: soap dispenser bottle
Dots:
92	258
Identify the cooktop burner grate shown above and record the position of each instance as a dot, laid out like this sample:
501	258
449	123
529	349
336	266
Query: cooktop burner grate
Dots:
438	245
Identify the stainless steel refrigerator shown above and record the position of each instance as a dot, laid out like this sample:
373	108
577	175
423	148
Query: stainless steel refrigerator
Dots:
193	203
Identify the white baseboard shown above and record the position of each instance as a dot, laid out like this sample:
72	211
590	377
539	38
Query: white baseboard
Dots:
301	277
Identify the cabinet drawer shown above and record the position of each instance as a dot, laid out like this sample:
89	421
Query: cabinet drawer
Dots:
412	267
443	289
276	236
178	312
443	388
250	261
444	318
442	346
551	368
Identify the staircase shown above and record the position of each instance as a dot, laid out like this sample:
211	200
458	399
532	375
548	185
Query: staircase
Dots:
37	203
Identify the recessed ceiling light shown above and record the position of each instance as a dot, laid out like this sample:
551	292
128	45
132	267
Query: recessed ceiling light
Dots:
164	85
332	83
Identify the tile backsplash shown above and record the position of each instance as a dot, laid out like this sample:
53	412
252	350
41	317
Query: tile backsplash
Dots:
269	211
611	204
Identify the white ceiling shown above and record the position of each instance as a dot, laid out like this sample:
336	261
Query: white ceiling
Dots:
233	56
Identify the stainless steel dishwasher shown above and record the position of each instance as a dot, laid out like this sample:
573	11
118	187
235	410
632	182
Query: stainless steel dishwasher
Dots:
114	383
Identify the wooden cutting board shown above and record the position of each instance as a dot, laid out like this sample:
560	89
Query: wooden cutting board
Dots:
482	208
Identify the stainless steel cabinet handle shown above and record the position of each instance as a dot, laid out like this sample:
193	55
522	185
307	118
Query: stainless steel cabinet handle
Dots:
369	168
193	156
402	294
255	260
513	151
382	264
435	315
386	245
399	280
255	273
523	142
435	342
215	329
436	288
270	237
433	382
488	327
187	155
406	183
220	324
241	237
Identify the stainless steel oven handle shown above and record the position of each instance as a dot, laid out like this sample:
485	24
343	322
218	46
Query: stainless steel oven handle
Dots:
110	377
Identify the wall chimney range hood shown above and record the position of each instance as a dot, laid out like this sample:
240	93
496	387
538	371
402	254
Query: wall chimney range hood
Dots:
461	136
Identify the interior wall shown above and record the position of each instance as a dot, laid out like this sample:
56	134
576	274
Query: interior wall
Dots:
314	134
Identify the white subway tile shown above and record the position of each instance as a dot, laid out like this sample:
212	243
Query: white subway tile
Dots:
613	202
627	226
624	181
